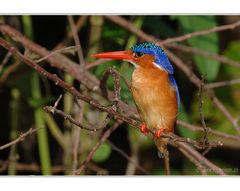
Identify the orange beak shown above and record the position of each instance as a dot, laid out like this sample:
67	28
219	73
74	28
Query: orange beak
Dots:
118	55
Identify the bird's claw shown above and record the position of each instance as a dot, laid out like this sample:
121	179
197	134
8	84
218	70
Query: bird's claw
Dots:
144	129
159	132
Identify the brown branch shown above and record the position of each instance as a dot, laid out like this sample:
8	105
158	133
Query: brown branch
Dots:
34	168
222	83
210	131
200	167
19	139
205	54
53	110
201	33
197	158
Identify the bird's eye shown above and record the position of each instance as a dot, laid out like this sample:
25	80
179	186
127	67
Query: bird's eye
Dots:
138	54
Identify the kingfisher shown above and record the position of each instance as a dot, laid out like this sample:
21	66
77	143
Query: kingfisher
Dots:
153	87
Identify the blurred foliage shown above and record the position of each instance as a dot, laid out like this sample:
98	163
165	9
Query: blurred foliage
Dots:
102	153
207	42
98	34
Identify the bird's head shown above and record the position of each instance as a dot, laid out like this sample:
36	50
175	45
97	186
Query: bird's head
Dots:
142	55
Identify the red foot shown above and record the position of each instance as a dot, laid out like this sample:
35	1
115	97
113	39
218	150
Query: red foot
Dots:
144	129
159	132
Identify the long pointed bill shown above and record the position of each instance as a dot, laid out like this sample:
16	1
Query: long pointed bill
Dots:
118	55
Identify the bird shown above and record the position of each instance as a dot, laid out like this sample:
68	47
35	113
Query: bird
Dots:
153	87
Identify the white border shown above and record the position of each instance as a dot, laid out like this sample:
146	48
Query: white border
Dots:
120	183
120	7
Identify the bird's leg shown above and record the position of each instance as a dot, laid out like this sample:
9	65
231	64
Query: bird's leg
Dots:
159	132
144	129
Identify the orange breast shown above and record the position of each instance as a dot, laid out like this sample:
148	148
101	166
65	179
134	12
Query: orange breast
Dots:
155	98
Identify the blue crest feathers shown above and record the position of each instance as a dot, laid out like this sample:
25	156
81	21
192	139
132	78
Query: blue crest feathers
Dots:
160	56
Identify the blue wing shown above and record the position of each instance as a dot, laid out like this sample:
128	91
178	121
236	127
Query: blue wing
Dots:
163	61
174	84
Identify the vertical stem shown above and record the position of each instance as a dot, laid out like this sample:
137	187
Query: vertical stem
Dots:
38	112
96	22
42	133
67	108
14	107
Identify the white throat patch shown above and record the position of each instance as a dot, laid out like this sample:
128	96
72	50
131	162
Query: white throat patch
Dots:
133	63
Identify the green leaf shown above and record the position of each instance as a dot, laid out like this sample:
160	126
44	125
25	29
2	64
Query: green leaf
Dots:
208	42
233	50
102	153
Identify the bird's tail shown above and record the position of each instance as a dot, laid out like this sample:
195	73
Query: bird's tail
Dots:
161	144
163	152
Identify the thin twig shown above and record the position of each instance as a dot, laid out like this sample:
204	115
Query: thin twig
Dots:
222	83
206	54
62	50
200	109
120	151
201	33
5	60
210	131
57	101
79	24
53	110
9	70
76	39
19	139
